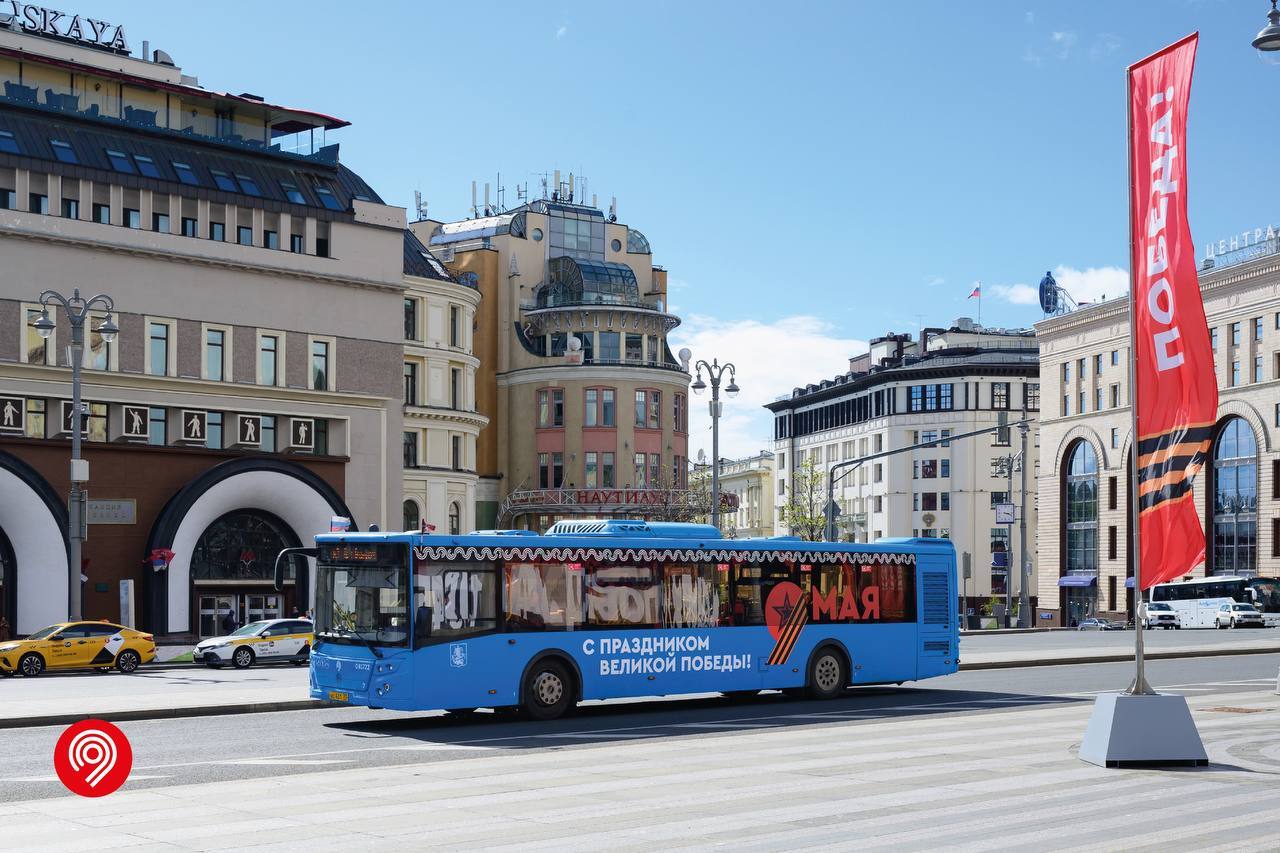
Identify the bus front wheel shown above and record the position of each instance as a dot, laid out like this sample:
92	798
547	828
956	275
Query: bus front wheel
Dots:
828	674
548	691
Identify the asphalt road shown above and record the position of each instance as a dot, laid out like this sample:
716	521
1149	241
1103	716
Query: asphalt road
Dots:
205	749
1112	641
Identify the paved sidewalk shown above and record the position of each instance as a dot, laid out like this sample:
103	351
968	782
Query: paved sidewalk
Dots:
1000	780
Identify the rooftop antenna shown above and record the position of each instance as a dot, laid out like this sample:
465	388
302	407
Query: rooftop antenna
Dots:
522	192
501	195
582	189
593	201
473	199
555	193
544	176
613	209
488	211
571	186
420	206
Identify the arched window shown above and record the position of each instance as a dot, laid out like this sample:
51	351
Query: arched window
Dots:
455	518
241	545
412	515
1235	499
1082	510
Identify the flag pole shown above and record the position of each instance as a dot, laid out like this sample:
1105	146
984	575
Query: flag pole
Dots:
1139	687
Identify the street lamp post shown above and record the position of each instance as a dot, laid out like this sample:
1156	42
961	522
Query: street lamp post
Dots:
77	309
715	370
1267	42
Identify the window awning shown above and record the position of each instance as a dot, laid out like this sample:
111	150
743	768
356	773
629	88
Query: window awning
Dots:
1077	580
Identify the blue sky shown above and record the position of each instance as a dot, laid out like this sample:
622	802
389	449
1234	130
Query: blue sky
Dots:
812	175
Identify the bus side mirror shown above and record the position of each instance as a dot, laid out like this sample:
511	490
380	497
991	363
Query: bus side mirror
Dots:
282	561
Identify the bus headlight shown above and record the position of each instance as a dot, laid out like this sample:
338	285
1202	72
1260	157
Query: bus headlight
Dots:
384	689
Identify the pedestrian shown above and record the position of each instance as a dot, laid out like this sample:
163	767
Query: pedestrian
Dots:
229	621
4	629
294	614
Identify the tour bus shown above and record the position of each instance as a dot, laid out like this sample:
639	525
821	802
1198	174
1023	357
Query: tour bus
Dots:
616	608
1198	600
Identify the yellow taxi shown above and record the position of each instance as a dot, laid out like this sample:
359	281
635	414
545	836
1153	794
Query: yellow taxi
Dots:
78	645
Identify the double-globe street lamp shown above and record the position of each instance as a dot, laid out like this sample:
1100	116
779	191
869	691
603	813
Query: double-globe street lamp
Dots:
1267	42
715	370
77	310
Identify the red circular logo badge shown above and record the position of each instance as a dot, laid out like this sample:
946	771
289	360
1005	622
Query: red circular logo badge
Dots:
93	758
783	599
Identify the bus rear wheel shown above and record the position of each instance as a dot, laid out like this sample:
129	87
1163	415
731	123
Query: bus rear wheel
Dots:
828	674
548	691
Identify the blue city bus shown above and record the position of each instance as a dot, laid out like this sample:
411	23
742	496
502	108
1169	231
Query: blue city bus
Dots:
617	608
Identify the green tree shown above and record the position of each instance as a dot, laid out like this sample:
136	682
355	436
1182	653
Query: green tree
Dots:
803	513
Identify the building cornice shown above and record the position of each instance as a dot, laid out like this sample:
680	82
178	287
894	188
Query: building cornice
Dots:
907	375
436	287
424	350
454	417
637	375
100	384
10	231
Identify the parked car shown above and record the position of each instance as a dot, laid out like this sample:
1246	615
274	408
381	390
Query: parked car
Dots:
1092	624
265	641
1158	614
1238	615
78	645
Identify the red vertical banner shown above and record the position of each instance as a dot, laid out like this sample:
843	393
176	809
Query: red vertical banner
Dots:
1175	390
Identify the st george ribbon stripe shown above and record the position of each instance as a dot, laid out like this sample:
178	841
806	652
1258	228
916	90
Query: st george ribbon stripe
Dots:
790	632
1174	442
1171	492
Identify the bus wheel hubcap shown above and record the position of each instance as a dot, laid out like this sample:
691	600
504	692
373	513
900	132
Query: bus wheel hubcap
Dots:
548	688
827	673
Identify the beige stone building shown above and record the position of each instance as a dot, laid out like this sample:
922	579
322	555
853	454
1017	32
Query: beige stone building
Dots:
904	392
1086	436
587	407
441	423
254	390
750	483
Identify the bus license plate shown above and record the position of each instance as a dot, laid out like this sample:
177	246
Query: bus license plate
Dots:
338	696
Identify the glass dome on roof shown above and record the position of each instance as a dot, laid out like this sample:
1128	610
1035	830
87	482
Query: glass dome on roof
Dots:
578	281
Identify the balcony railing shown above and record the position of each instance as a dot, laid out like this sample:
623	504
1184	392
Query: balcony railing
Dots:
597	301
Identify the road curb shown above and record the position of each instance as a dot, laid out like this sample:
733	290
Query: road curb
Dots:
1115	658
163	713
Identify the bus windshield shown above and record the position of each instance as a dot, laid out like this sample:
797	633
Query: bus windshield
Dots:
362	593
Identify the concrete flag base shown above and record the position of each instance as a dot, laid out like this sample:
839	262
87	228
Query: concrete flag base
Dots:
1143	730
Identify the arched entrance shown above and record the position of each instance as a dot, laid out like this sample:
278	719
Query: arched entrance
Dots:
232	570
233	506
33	539
1234	500
1079	579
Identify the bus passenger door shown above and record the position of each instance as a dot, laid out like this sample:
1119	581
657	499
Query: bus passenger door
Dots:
939	629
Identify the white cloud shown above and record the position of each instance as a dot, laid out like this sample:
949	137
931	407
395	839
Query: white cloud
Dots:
561	31
1030	17
1064	41
1104	44
936	281
1031	56
1087	285
771	358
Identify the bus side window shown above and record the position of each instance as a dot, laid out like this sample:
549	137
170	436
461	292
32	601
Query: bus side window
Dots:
622	596
543	596
691	597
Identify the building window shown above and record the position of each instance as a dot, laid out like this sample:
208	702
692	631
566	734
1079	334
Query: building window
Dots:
1235	499
295	244
38	203
455	452
1235	373
1082	510
185	173
551	407
8	144
292	193
223	181
1257	368
157	426
411	450
70	208
1066	371
1097	402
268	433
410	319
640	469
1082	408
1115	396
944	501
681	412
642	402
590	471
1235	334
147	166
635	348
916	398
550	470
1115	438
1257	328
590	408
160	223
929	501
271	239
320	445
455	388
999	498
101	214
410	384
455	326
455	518
132	218
158	337
655	410
609	347
213	430
1066	404
190	227
248	185
1213	339
35	418
412	516
320	365
999	395
268	360
244	235
651	348
608	407
655	470
120	162
327	197
608	478
1097	364
878	476
944	468
215	358
217	232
